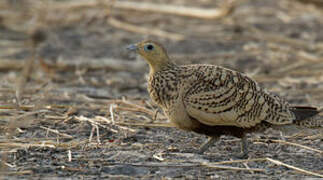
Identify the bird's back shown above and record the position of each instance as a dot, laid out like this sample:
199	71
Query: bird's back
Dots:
216	96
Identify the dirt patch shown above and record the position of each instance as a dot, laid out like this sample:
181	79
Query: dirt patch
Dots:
84	110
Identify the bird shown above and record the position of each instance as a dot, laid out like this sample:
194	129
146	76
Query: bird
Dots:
214	101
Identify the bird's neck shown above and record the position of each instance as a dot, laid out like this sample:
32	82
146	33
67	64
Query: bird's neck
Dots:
161	66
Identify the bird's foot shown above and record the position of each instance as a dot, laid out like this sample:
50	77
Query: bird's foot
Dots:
207	144
241	155
244	149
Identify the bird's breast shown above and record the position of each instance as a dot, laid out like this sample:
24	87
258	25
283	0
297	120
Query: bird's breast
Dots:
163	91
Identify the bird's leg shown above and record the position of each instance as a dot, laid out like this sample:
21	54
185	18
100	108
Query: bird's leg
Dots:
244	148
280	145
207	144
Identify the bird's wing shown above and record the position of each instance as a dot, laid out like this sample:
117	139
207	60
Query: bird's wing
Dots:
219	96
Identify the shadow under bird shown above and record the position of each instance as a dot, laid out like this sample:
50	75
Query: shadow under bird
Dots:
215	101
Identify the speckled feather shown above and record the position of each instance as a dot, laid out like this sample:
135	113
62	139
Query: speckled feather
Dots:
216	101
217	96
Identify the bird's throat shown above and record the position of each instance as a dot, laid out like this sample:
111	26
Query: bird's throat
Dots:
156	66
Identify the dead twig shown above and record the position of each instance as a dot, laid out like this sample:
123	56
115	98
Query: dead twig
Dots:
134	107
91	134
16	173
95	128
98	134
203	13
23	107
291	143
317	3
24	76
101	118
316	136
144	30
167	164
35	38
112	106
93	122
26	145
240	161
131	109
56	132
146	124
69	155
294	168
176	10
62	64
296	43
210	165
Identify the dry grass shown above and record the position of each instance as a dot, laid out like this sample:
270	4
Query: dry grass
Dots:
68	104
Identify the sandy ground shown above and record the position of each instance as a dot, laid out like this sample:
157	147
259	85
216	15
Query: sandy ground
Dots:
73	101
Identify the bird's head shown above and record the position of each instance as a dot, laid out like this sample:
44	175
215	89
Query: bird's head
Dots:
153	52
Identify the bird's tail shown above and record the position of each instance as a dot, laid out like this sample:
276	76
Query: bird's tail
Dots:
308	117
307	120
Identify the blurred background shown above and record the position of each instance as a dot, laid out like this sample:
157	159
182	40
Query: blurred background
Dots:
65	74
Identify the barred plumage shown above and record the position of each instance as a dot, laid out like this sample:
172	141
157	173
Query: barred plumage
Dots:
216	101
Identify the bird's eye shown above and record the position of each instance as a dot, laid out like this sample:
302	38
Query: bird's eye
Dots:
149	47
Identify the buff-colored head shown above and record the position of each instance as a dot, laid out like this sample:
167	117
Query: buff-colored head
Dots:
154	53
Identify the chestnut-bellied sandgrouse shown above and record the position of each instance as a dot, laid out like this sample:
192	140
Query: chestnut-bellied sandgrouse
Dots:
215	101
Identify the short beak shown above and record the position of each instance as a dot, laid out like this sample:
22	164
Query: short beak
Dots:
132	47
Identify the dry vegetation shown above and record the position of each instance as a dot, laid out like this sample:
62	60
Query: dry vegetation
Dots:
73	101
